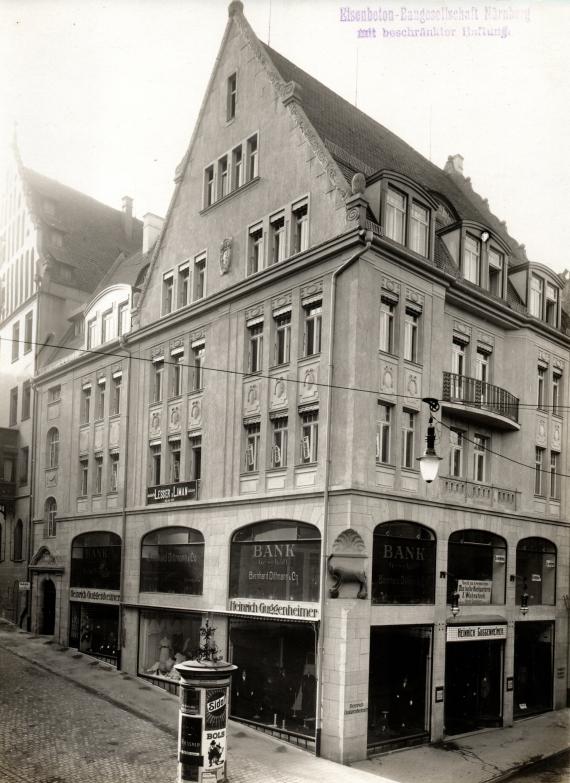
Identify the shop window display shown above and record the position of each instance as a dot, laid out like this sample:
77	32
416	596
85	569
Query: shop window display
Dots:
96	561
93	630
403	564
172	561
533	668
165	639
275	684
476	567
536	571
276	560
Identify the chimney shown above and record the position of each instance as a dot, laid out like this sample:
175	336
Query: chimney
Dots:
128	217
454	165
152	226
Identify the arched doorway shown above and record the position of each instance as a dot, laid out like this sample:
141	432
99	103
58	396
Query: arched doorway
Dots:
48	608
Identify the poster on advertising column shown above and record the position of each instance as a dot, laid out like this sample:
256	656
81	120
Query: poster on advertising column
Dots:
214	735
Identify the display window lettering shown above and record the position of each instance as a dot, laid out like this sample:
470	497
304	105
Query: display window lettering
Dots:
166	639
476	567
536	571
96	561
172	561
403	564
276	560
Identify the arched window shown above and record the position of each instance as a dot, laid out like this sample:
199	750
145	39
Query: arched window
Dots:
52	457
18	539
403	564
49	516
476	567
172	561
536	571
96	561
276	560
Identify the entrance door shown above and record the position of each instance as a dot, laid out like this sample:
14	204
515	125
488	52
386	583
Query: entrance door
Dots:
472	686
533	668
48	607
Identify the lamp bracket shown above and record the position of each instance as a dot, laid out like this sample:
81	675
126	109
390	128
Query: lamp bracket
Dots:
432	402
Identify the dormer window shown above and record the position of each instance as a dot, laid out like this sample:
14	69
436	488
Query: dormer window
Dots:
419	229
536	296
551	313
406	219
472	260
543	300
396	216
496	265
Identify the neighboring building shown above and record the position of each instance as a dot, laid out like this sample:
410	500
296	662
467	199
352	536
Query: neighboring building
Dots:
315	279
55	244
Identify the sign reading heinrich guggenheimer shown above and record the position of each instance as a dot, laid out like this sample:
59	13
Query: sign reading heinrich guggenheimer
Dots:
294	610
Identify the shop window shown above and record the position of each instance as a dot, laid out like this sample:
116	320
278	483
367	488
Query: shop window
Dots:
536	571
52	456
172	561
279	442
165	639
313	314
276	560
533	668
383	433
18	540
94	630
476	567
50	514
403	564
96	561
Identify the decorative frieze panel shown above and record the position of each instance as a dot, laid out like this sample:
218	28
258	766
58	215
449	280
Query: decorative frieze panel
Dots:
176	345
174	417
84	440
486	341
308	389
413	384
541	431
557	363
194	413
556	435
281	301
114	433
251	398
155	424
51	478
461	331
543	357
197	334
254	312
388	377
278	393
312	289
98	437
414	298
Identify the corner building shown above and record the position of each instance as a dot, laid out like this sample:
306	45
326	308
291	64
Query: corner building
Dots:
315	279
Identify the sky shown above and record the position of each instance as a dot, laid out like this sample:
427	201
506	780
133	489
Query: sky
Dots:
104	95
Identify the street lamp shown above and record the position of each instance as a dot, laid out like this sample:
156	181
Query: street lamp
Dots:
524	600
429	463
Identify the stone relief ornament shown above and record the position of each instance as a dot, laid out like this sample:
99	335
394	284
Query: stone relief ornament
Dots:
155	422
387	379
175	418
413	385
195	412
556	435
225	255
346	564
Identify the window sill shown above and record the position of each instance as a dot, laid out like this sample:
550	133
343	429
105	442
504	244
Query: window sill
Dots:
414	471
414	362
385	465
280	469
382	352
113	416
249	473
309	357
196	391
214	204
25	418
175	398
99	419
251	374
280	366
307	464
113	493
540	497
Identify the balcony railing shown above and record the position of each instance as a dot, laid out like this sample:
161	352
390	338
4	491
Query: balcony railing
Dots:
483	494
478	394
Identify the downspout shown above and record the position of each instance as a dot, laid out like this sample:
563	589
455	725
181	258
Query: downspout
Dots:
367	237
121	629
32	479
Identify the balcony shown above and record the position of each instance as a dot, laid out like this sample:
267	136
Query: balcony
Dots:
479	402
460	490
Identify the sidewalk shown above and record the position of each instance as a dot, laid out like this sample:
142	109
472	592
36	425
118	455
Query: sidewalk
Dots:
255	757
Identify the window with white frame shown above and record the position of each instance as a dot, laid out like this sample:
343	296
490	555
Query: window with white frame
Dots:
157	376
396	215
54	394
52	456
100	402
223	177
482	373
199	277
411	333
155	463
114	471
282	338
279	442
300	213
541	387
472	260
555	475
107	326
237	168
252	161
83	476
231	99
496	262
313	315
255	251
277	236
209	186
176	363
383	433
556	392
198	359
252	439
50	516
116	386
98	474
183	285
539	471
255	347
480	450
387	322
167	293
536	296
91	332
174	452
419	229
455	453
309	436
195	457
458	369
85	404
551	312
123	318
408	438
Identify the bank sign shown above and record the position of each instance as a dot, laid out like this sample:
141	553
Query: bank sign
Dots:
475	633
169	493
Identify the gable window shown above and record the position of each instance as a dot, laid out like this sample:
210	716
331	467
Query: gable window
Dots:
199	277
167	293
155	463
237	168
116	394
91	331
85	404
252	165
309	436
13	406
123	318
536	296
255	357
231	97
496	264
157	376
300	227
209	186
255	255
539	471
455	453
472	260
387	316
107	326
52	457
279	442
100	405
312	328
177	361
199	357
383	433
15	341
419	229
411	328
183	285
252	437
277	231
223	177
28	325
283	338
408	438
174	459
480	449
396	216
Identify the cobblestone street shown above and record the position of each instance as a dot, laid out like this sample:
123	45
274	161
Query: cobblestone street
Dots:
52	731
